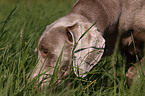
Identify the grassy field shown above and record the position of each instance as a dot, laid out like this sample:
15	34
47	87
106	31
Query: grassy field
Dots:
21	24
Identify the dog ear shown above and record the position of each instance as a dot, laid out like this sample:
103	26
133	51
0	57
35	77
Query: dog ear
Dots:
72	33
89	47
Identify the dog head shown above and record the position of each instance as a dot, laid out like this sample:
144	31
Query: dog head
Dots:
73	39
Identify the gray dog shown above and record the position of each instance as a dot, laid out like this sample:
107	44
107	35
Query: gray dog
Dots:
111	18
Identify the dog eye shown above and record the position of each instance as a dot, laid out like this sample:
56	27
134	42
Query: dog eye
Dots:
45	51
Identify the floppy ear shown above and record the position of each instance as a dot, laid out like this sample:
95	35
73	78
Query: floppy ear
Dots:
89	48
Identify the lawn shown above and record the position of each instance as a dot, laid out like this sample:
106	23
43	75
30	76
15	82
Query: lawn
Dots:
21	24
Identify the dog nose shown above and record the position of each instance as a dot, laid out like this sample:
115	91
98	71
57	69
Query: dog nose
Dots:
35	51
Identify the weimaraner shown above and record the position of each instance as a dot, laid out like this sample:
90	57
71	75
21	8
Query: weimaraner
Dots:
103	21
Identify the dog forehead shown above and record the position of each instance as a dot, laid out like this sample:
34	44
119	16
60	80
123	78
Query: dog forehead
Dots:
55	32
66	21
53	37
61	22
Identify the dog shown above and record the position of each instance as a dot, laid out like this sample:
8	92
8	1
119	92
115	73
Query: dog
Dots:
88	32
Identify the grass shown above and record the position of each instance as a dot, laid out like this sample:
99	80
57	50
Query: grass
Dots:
21	25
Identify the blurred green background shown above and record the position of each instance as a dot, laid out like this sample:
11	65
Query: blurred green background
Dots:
33	15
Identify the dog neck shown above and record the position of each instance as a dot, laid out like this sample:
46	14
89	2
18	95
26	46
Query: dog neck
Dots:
103	12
